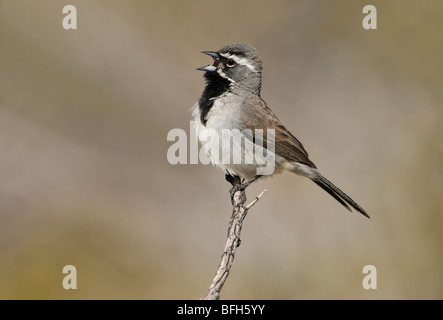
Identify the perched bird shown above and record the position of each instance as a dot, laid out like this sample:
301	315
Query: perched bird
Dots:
231	101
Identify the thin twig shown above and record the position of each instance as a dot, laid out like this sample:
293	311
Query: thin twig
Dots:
256	199
239	213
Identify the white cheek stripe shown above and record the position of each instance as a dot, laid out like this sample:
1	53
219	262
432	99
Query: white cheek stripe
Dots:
238	60
223	75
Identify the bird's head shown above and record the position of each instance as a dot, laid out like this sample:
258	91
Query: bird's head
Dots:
239	64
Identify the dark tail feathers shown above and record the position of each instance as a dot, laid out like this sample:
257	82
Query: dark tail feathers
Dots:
339	195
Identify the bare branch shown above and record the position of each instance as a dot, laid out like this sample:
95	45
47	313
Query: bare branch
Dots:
239	212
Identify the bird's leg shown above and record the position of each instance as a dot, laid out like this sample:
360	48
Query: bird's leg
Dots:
232	179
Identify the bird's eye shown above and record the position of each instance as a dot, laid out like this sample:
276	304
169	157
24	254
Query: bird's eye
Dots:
230	63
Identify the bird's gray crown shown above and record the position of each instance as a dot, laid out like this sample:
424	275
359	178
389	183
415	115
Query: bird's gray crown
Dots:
245	53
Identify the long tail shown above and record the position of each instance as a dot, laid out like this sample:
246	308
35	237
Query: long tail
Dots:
339	195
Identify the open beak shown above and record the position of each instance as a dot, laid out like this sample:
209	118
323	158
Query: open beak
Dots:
215	56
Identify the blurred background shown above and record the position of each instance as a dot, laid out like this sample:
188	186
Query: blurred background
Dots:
84	178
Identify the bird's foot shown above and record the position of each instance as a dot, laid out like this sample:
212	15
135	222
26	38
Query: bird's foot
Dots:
238	184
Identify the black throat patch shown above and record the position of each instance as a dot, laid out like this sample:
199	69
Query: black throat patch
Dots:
215	87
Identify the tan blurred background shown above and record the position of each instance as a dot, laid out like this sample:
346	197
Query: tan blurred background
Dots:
84	178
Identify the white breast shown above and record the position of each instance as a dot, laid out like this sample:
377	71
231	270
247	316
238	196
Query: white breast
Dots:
239	158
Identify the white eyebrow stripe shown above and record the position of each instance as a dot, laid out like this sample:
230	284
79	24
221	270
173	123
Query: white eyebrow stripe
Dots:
238	60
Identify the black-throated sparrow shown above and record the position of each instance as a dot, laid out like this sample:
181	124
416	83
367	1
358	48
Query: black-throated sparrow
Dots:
231	100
